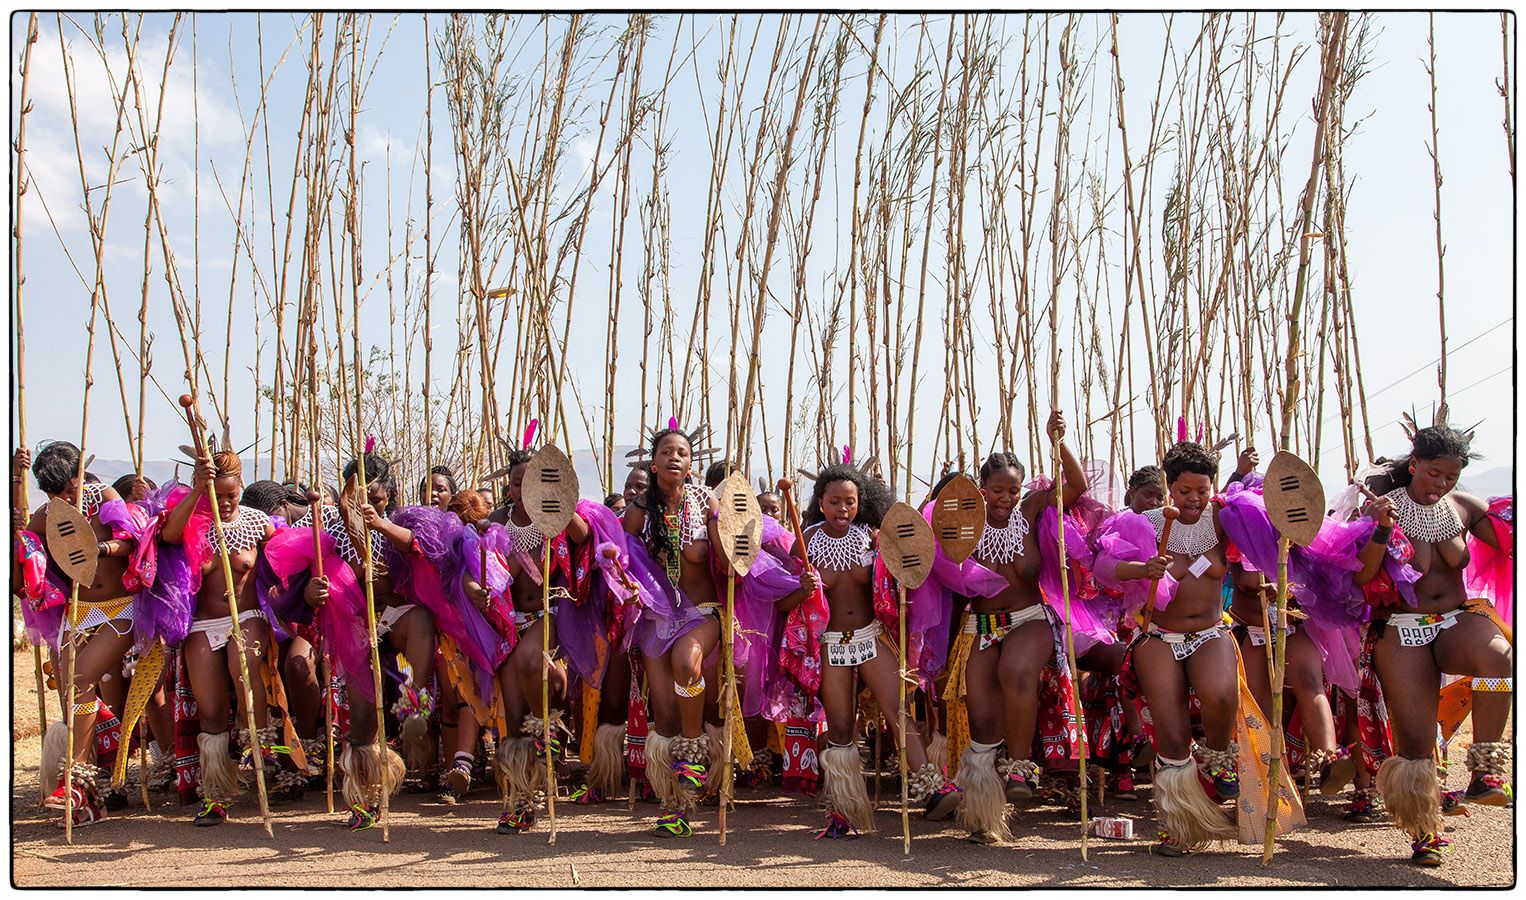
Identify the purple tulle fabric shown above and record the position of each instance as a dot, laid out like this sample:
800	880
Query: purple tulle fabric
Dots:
760	625
663	613
1126	536
584	622
1319	576
930	606
341	622
1088	620
423	575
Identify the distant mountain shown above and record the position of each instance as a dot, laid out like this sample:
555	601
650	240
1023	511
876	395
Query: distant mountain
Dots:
1495	482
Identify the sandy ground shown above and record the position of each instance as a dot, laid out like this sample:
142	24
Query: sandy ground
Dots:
769	844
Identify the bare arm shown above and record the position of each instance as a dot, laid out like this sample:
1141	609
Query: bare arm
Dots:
174	525
1371	555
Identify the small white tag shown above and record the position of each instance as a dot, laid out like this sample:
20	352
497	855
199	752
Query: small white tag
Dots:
1199	566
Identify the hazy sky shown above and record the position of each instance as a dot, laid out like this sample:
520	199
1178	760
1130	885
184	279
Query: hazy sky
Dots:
1390	226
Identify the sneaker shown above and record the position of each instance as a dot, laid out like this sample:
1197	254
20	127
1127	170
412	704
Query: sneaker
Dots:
689	773
1020	786
1361	810
982	837
363	817
1453	804
942	802
838	828
1165	847
1428	850
585	795
1125	788
57	799
88	813
673	825
1226	783
1487	790
211	813
515	822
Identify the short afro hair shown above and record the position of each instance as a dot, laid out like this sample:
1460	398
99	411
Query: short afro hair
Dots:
1189	457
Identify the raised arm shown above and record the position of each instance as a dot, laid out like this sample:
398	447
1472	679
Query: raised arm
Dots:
174	524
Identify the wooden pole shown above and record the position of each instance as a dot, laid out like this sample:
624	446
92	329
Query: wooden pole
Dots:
1279	668
193	418
728	694
545	682
1171	515
901	713
18	488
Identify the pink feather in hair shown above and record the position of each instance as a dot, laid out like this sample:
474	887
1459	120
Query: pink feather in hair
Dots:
673	423
370	442
1181	428
847	455
530	433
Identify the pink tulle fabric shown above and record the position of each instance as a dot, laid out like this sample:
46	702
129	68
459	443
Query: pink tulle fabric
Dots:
1491	571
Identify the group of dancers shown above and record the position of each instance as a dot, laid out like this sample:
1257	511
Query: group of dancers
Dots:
1409	581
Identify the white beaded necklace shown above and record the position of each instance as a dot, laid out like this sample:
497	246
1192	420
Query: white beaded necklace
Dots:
1432	524
1186	540
853	549
341	535
1004	544
245	532
526	538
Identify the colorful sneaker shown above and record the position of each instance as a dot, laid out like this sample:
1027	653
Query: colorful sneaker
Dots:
211	813
1487	790
1453	803
673	825
1021	781
689	773
57	799
1428	850
585	795
88	813
942	802
515	822
1361	810
1167	847
838	828
1125	788
363	817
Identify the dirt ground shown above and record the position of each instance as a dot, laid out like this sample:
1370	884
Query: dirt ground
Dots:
769	844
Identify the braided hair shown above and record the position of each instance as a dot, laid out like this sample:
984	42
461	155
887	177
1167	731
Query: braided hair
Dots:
1189	457
874	497
379	471
998	461
653	503
1435	442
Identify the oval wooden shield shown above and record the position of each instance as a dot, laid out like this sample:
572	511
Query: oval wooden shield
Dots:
71	542
1295	500
740	524
550	490
907	545
959	517
350	500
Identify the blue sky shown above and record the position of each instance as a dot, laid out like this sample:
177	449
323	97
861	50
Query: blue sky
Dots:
1390	227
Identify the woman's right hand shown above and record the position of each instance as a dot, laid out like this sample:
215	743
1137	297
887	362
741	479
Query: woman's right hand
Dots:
205	472
21	460
1381	509
809	581
475	593
317	592
1157	566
